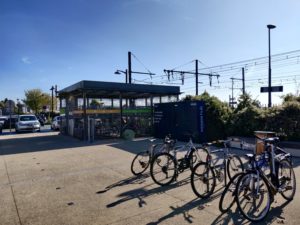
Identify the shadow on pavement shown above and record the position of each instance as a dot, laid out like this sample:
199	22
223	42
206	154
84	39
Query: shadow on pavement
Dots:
200	204
237	218
42	143
131	180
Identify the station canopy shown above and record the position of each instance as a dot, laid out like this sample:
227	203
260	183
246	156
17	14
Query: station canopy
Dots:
96	89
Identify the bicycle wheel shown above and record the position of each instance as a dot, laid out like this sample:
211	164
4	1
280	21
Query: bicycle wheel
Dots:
234	166
228	196
197	155
253	196
163	169
287	180
203	180
140	163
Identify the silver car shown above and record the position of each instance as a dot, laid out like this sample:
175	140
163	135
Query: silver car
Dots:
27	123
55	125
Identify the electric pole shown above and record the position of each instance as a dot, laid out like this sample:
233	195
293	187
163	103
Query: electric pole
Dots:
196	73
196	76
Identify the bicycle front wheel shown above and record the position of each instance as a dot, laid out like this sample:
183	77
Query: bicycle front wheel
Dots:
163	169
228	195
197	155
253	196
234	166
140	163
203	180
287	180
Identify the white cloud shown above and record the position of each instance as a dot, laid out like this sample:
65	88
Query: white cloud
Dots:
26	60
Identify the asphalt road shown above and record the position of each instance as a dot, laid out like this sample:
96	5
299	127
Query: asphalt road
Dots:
49	179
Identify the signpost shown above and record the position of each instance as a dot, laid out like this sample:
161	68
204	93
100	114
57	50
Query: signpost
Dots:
273	89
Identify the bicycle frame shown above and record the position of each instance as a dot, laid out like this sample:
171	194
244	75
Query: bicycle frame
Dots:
274	182
225	158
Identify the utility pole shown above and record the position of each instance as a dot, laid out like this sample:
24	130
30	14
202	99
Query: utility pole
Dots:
128	72
196	76
243	82
243	79
129	67
196	73
232	101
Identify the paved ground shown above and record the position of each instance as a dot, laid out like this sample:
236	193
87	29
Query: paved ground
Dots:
49	179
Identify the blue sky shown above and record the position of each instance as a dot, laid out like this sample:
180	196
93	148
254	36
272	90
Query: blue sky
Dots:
48	42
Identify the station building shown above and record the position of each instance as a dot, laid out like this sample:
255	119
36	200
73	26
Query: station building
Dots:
97	110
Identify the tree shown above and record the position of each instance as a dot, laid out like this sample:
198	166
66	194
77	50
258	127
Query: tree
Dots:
246	101
95	104
290	97
35	99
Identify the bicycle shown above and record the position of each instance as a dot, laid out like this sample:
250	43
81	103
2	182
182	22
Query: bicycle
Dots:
256	190
165	167
204	174
228	195
141	161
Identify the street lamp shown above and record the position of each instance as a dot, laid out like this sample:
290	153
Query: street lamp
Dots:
52	101
270	26
118	72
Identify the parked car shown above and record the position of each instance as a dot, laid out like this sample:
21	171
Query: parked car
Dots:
8	121
55	125
27	123
3	120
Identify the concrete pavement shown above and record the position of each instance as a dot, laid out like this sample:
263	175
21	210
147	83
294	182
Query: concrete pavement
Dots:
46	178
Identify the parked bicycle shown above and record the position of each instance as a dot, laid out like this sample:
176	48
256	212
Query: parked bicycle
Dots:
255	189
165	167
204	174
142	160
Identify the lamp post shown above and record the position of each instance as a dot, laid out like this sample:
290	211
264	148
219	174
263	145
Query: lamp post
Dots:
270	26
52	100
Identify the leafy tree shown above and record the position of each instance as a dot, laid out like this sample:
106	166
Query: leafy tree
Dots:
95	104
245	101
290	97
36	99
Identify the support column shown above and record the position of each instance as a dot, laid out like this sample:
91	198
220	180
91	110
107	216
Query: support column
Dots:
121	115
85	119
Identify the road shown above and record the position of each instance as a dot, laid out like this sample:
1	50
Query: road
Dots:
50	179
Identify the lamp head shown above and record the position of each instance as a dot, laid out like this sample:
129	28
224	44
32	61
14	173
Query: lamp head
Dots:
117	72
270	26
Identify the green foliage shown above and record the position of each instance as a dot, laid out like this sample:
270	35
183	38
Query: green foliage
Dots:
248	116
290	98
36	99
95	104
285	120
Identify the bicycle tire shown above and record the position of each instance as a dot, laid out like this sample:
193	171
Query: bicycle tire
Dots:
237	166
197	155
243	192
282	179
161	163
143	164
204	175
229	190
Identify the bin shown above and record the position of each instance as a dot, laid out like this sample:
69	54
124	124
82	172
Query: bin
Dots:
259	144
